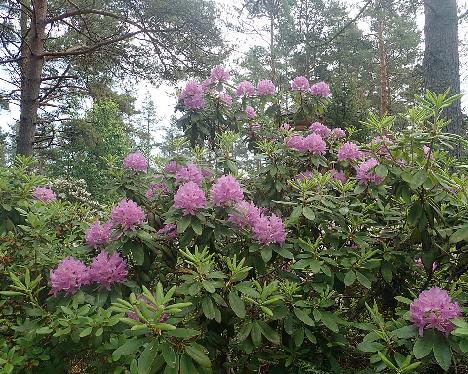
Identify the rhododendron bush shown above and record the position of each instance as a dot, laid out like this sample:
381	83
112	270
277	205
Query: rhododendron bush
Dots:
281	245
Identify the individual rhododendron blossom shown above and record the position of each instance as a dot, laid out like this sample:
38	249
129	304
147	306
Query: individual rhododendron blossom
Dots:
127	214
434	309
171	167
426	151
107	270
135	161
69	276
338	175
225	100
315	144
245	88
189	198
98	233
349	152
226	191
364	173
303	176
300	84
383	142
156	189
338	133
246	213
266	88
321	129
320	89
44	194
189	173
285	127
267	230
219	74
250	112
193	96
419	263
169	230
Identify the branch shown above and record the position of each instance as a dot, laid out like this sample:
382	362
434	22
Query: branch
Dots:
463	15
56	85
9	61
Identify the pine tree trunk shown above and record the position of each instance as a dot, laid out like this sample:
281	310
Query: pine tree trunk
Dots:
31	79
441	58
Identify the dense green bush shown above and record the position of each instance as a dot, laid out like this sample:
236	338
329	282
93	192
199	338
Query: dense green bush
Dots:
329	295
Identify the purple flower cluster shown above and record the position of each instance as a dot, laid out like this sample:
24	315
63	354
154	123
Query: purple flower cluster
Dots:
266	88
169	230
189	197
338	133
226	191
337	175
44	194
135	161
107	270
434	309
250	112
383	142
364	173
349	152
225	99
265	230
300	84
193	96
127	214
156	189
171	167
320	129
312	143
189	173
219	74
98	233
303	176
71	274
320	89
245	88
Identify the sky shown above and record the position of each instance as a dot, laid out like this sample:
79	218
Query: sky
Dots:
164	95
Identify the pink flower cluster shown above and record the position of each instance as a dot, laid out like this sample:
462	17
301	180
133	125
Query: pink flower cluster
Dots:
300	84
320	89
337	175
338	133
266	88
320	129
225	99
135	161
265	230
98	233
171	167
193	96
434	309
71	274
156	189
364	175
250	112
169	230
189	197
312	143
127	214
219	74
189	173
44	194
226	191
245	88
303	176
349	152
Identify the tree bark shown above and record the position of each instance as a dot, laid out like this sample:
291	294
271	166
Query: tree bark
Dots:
441	57
31	79
384	81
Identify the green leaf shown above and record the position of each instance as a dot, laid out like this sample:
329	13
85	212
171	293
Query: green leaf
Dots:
405	332
256	334
44	330
183	333
266	253
386	271
403	300
169	354
208	308
129	347
370	347
183	224
423	345
195	351
329	321
207	285
308	213
442	352
87	331
349	278
363	280
295	215
197	227
304	317
138	255
381	171
460	235
269	333
418	179
146	359
236	304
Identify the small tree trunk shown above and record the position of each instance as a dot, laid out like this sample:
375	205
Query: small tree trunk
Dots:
383	62
441	59
31	81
